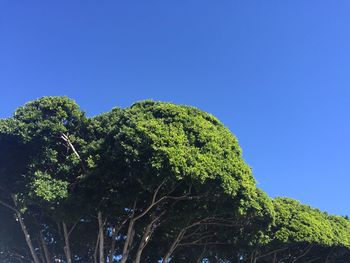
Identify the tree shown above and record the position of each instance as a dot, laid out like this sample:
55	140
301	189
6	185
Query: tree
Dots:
148	183
304	234
39	163
174	158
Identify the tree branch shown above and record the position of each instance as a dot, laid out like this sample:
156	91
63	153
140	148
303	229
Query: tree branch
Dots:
71	146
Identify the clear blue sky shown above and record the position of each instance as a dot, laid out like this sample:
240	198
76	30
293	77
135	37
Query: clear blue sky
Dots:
277	73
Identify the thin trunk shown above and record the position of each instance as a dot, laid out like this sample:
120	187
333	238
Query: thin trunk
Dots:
274	257
67	250
18	217
96	247
101	237
129	235
174	245
113	243
27	237
145	239
128	241
252	257
45	248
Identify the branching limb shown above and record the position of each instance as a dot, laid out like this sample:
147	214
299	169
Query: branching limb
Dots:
146	237
307	250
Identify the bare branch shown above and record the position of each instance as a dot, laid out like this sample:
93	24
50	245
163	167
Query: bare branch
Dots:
308	248
146	237
71	146
129	235
271	252
27	237
153	204
9	207
73	227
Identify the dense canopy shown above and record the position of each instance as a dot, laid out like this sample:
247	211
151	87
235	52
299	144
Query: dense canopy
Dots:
154	182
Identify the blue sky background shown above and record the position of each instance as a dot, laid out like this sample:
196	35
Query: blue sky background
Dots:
277	73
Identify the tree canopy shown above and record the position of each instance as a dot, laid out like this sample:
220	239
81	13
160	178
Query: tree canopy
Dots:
154	182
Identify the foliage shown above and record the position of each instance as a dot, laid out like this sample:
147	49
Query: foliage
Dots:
154	181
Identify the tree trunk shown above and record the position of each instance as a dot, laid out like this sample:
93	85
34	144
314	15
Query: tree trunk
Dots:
275	257
166	258
145	239
46	250
27	237
174	245
66	241
18	217
96	247
113	242
101	238
253	257
128	241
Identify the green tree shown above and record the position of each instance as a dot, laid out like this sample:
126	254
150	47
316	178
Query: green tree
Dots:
38	163
160	161
304	234
154	181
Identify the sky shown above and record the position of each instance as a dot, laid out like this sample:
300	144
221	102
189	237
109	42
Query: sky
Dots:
276	73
